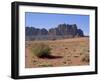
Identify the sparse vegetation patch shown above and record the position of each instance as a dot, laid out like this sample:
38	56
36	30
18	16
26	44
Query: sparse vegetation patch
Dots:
41	50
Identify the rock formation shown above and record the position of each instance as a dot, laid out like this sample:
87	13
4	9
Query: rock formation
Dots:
61	30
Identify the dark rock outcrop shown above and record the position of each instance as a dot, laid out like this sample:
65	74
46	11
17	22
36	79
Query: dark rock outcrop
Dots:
61	30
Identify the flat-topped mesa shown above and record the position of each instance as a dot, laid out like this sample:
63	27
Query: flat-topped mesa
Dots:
62	30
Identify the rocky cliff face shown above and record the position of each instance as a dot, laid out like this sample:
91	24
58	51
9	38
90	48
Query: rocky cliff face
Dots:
60	30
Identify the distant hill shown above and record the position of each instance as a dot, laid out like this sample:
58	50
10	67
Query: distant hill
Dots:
61	31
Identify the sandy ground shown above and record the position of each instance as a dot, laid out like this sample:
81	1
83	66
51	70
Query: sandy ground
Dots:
66	52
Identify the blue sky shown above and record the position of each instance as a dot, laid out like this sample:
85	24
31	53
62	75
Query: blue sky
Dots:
48	20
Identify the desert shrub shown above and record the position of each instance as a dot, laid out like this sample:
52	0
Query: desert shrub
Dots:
45	65
85	58
41	50
54	39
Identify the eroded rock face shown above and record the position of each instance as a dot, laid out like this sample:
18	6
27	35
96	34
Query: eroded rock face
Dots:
61	30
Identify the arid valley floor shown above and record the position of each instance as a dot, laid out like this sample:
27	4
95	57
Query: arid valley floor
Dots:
65	52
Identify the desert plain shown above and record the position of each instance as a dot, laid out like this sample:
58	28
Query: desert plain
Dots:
65	52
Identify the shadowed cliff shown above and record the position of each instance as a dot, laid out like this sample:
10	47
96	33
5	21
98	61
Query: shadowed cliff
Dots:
61	31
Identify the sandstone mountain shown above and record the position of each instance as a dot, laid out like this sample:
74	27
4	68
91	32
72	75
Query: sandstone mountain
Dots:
62	30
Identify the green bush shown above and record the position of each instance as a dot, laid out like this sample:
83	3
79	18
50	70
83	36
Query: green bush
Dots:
41	50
